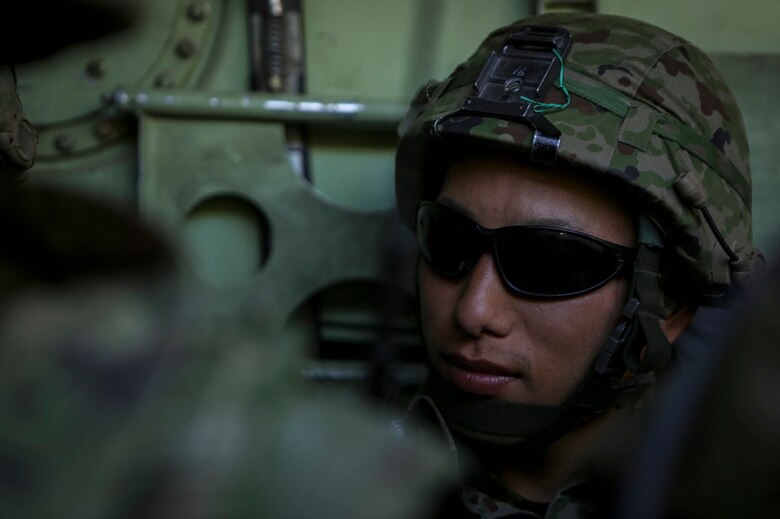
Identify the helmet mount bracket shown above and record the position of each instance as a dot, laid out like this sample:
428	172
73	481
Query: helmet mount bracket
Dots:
522	71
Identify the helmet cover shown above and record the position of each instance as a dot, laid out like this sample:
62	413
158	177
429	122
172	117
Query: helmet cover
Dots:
647	109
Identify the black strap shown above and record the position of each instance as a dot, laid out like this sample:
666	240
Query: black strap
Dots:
654	353
484	415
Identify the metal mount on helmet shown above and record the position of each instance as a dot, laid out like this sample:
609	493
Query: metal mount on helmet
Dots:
516	77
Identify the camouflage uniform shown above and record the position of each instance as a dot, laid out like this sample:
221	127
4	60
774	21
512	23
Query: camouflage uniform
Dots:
480	494
634	106
116	402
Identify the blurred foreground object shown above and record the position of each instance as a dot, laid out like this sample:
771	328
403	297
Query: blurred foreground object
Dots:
18	140
37	28
114	404
712	448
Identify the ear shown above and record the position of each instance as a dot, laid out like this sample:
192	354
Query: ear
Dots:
675	324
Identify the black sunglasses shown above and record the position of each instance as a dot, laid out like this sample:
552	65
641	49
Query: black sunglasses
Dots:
533	260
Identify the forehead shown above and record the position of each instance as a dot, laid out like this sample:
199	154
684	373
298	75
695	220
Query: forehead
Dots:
497	190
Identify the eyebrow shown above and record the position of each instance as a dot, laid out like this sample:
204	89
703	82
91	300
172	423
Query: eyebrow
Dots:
548	222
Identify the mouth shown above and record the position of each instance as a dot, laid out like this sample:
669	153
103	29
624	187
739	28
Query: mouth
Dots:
478	376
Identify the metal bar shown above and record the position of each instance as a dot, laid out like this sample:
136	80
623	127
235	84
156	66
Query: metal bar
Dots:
374	114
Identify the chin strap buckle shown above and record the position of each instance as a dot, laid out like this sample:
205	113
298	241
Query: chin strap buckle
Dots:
609	360
654	353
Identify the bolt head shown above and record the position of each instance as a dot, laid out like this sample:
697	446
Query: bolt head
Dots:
164	79
95	68
185	48
64	143
198	10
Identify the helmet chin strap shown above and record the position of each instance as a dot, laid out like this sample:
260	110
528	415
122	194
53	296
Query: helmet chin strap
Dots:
634	352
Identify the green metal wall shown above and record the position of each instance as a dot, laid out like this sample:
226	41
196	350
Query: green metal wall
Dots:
160	119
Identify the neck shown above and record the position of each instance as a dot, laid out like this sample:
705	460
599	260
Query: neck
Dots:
541	476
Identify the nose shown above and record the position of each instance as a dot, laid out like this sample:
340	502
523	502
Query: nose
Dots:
484	306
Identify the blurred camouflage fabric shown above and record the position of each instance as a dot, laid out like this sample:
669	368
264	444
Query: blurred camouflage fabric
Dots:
113	403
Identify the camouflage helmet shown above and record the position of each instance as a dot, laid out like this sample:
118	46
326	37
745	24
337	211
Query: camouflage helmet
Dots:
630	102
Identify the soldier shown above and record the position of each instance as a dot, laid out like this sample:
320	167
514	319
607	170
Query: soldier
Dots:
580	189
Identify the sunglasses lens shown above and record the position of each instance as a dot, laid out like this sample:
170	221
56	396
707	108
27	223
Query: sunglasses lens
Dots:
547	262
448	240
534	261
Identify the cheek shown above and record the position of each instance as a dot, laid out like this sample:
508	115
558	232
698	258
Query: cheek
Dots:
564	338
577	328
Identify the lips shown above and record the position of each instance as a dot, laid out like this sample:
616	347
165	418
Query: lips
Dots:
478	376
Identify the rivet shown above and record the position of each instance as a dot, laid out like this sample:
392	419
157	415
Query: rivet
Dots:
95	68
185	48
198	11
164	79
64	143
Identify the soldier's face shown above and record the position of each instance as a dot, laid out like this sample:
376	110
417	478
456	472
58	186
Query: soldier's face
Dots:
488	341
